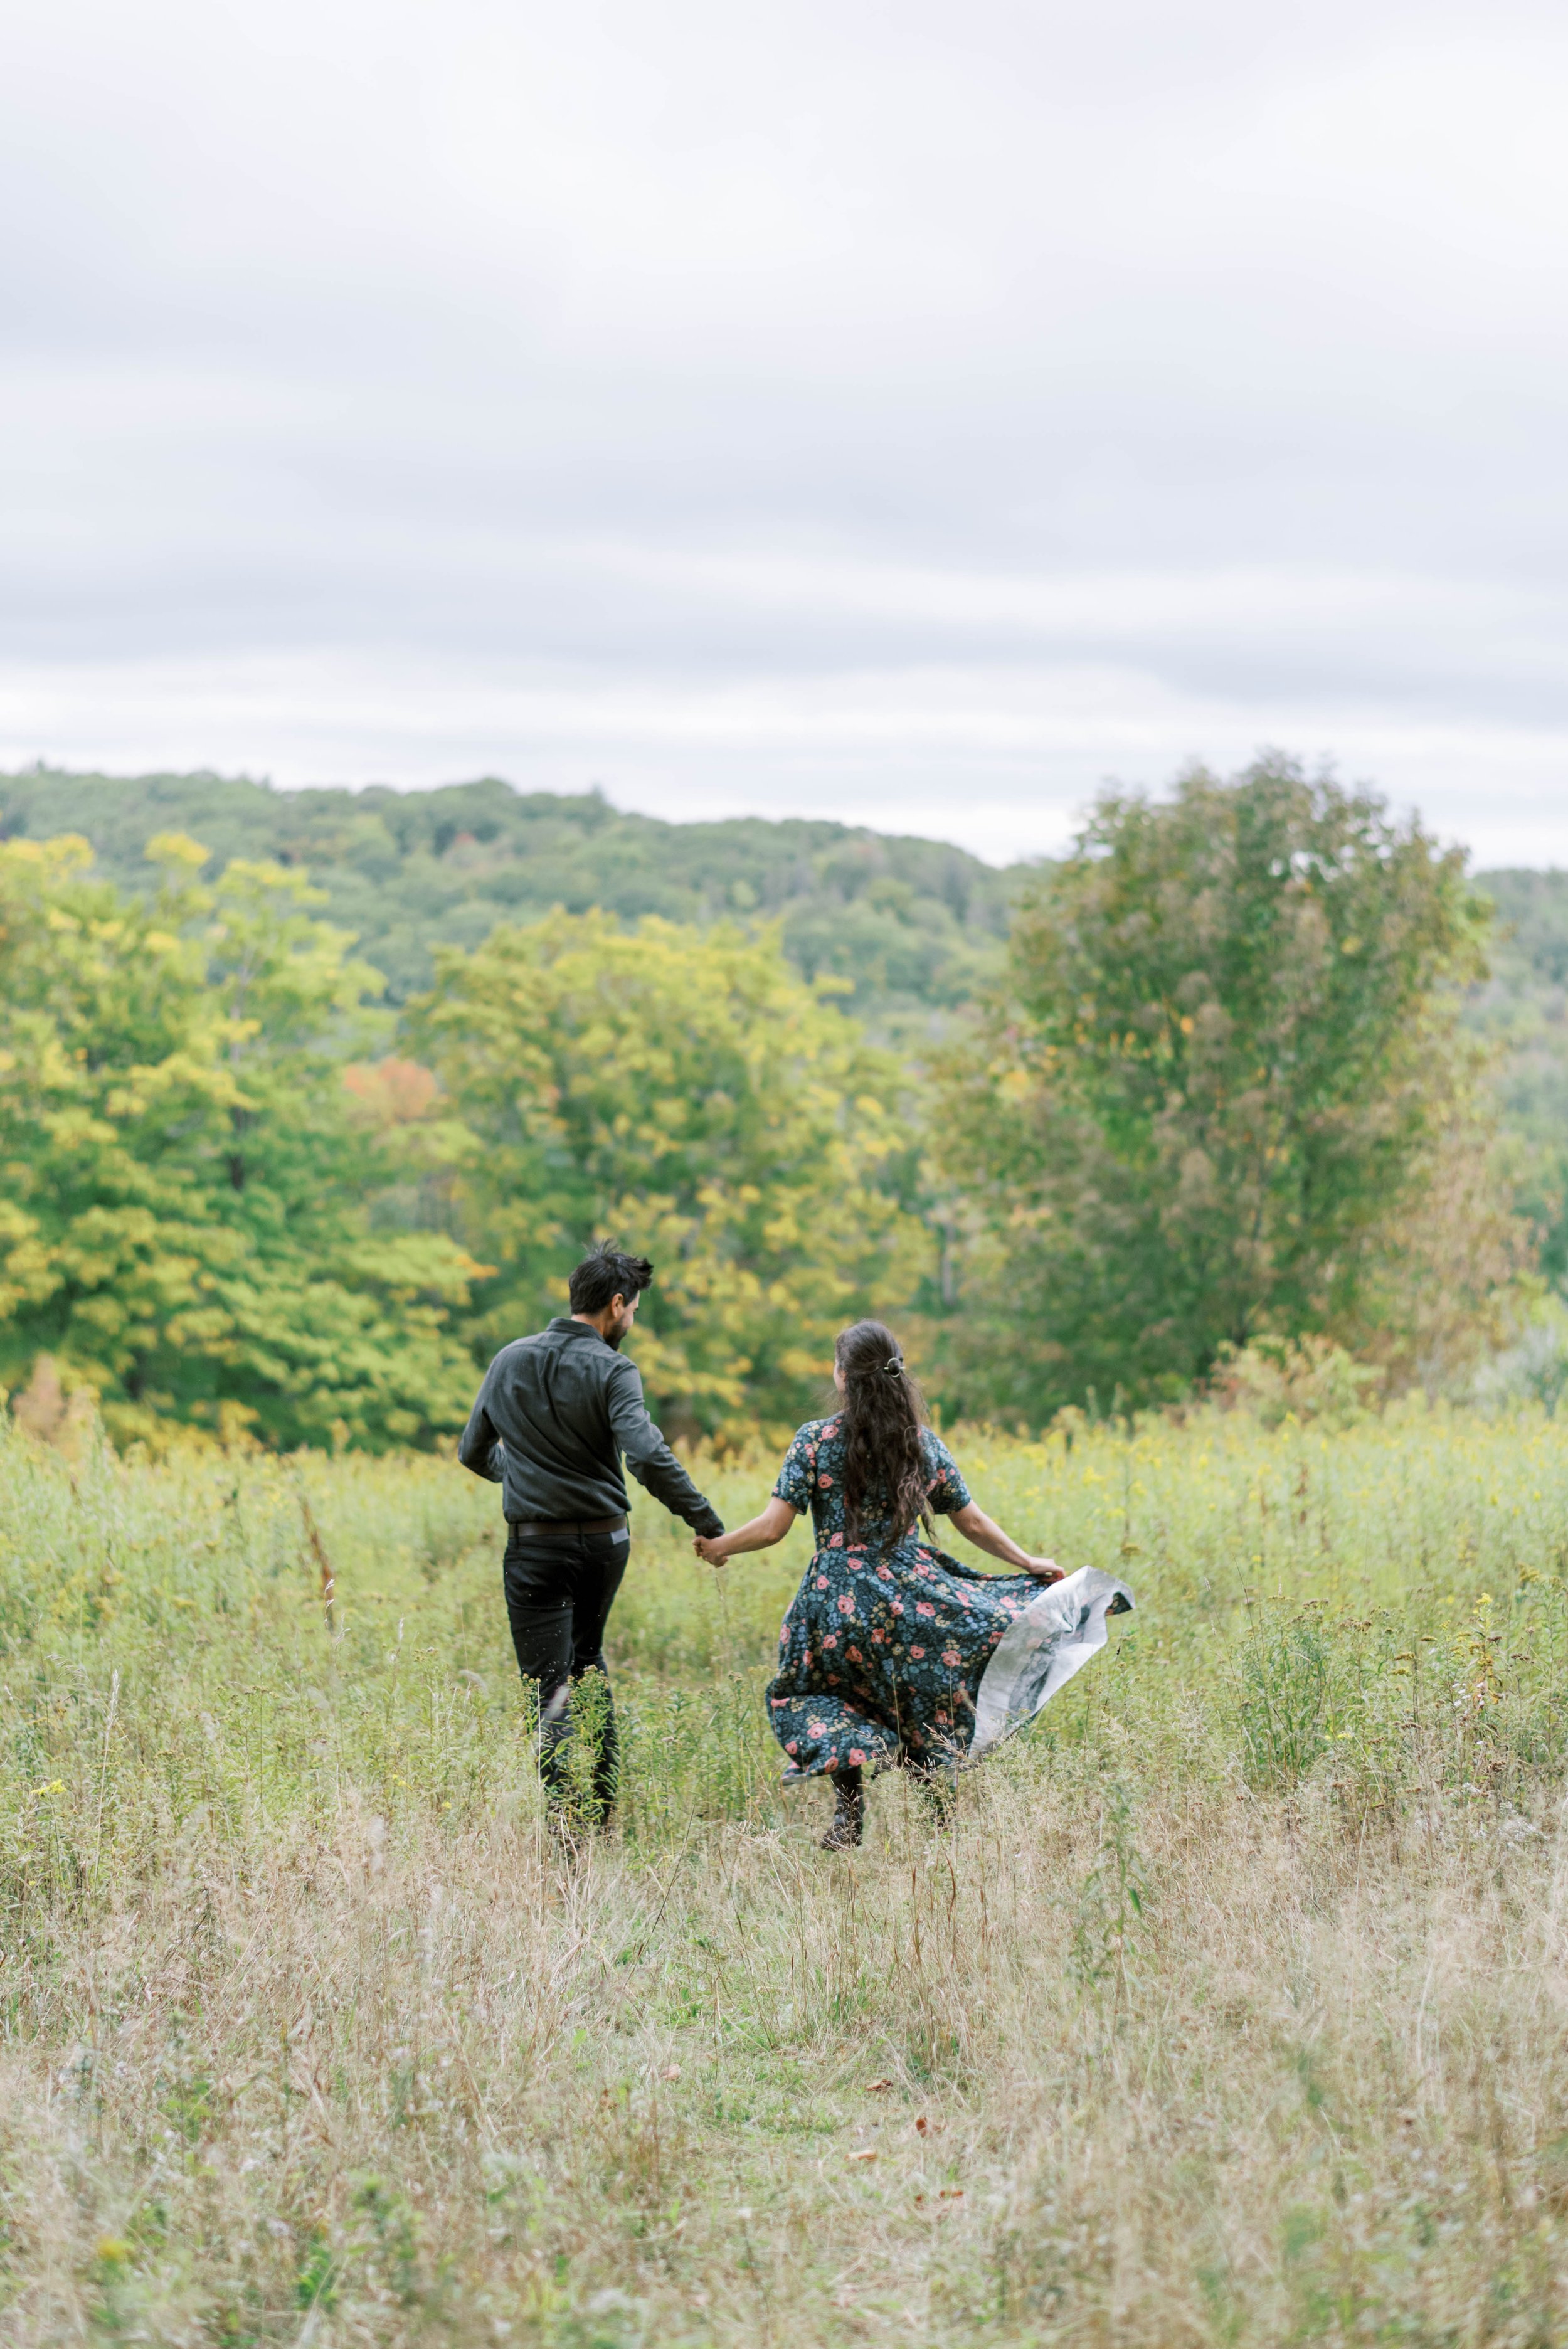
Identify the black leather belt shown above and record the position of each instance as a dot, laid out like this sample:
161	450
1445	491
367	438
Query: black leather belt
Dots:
561	1528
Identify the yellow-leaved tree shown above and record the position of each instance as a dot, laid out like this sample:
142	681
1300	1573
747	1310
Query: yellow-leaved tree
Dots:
187	1192
688	1094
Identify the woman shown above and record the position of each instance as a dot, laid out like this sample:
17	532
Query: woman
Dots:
885	1641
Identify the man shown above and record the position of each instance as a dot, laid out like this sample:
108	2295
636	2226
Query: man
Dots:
553	1416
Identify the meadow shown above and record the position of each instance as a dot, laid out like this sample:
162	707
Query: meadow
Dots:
1233	2008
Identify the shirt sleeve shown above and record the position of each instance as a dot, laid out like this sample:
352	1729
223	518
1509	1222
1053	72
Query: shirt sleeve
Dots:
480	1447
649	1457
798	1476
945	1489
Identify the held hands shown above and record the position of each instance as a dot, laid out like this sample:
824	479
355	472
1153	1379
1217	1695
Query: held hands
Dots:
710	1548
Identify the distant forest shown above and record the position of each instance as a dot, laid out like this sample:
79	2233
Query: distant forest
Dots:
1524	1009
913	927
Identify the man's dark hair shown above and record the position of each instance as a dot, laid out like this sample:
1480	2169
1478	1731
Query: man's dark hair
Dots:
606	1273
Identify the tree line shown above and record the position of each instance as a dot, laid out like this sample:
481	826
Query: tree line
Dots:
1213	1088
909	926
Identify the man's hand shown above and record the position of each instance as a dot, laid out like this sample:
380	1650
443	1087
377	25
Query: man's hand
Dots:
710	1548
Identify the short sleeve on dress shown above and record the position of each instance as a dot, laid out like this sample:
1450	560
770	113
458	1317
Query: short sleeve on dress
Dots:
947	1490
797	1478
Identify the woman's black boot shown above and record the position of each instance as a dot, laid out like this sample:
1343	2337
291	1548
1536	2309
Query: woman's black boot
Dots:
849	1811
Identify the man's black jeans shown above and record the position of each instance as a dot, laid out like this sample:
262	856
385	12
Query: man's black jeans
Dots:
560	1589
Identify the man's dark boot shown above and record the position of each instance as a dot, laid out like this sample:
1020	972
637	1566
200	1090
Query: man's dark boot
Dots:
573	1810
606	1753
567	1828
849	1811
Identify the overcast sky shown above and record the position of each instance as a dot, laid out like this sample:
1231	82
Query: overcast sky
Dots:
913	413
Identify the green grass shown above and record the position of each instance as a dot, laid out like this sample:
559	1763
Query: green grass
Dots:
1232	2011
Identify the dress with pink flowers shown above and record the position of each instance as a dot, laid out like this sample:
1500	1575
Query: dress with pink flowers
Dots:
884	1643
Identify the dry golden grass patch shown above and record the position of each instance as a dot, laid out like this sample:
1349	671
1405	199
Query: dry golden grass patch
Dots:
367	2086
1231	2010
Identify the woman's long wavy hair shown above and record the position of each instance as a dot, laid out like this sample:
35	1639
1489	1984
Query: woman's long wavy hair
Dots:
882	1414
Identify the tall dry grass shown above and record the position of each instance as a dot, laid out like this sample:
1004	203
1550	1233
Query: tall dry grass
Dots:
1233	2010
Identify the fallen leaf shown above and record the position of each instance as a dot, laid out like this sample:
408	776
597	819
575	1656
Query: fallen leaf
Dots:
671	2072
868	2155
875	2087
923	2125
950	2194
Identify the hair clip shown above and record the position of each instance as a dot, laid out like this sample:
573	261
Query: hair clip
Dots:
893	1368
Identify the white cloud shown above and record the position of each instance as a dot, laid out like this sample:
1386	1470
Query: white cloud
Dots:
914	414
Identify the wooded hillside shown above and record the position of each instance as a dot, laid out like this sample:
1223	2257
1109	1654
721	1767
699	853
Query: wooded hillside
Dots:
298	1089
909	923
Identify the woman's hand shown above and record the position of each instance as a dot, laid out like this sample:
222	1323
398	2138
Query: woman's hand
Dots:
988	1535
757	1533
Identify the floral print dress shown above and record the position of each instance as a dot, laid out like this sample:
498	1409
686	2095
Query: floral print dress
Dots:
884	1643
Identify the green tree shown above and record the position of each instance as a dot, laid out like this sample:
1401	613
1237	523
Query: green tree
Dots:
187	1186
1521	1009
1216	1093
911	924
687	1093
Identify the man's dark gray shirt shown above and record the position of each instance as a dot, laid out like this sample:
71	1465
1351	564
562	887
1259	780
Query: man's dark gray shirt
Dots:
553	1417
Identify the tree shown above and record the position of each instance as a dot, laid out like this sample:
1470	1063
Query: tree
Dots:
1520	1011
688	1094
1214	1096
187	1187
910	923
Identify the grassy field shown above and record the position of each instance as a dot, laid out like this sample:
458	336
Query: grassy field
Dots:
1233	2010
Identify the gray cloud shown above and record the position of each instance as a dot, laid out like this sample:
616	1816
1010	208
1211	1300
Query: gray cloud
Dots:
916	415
